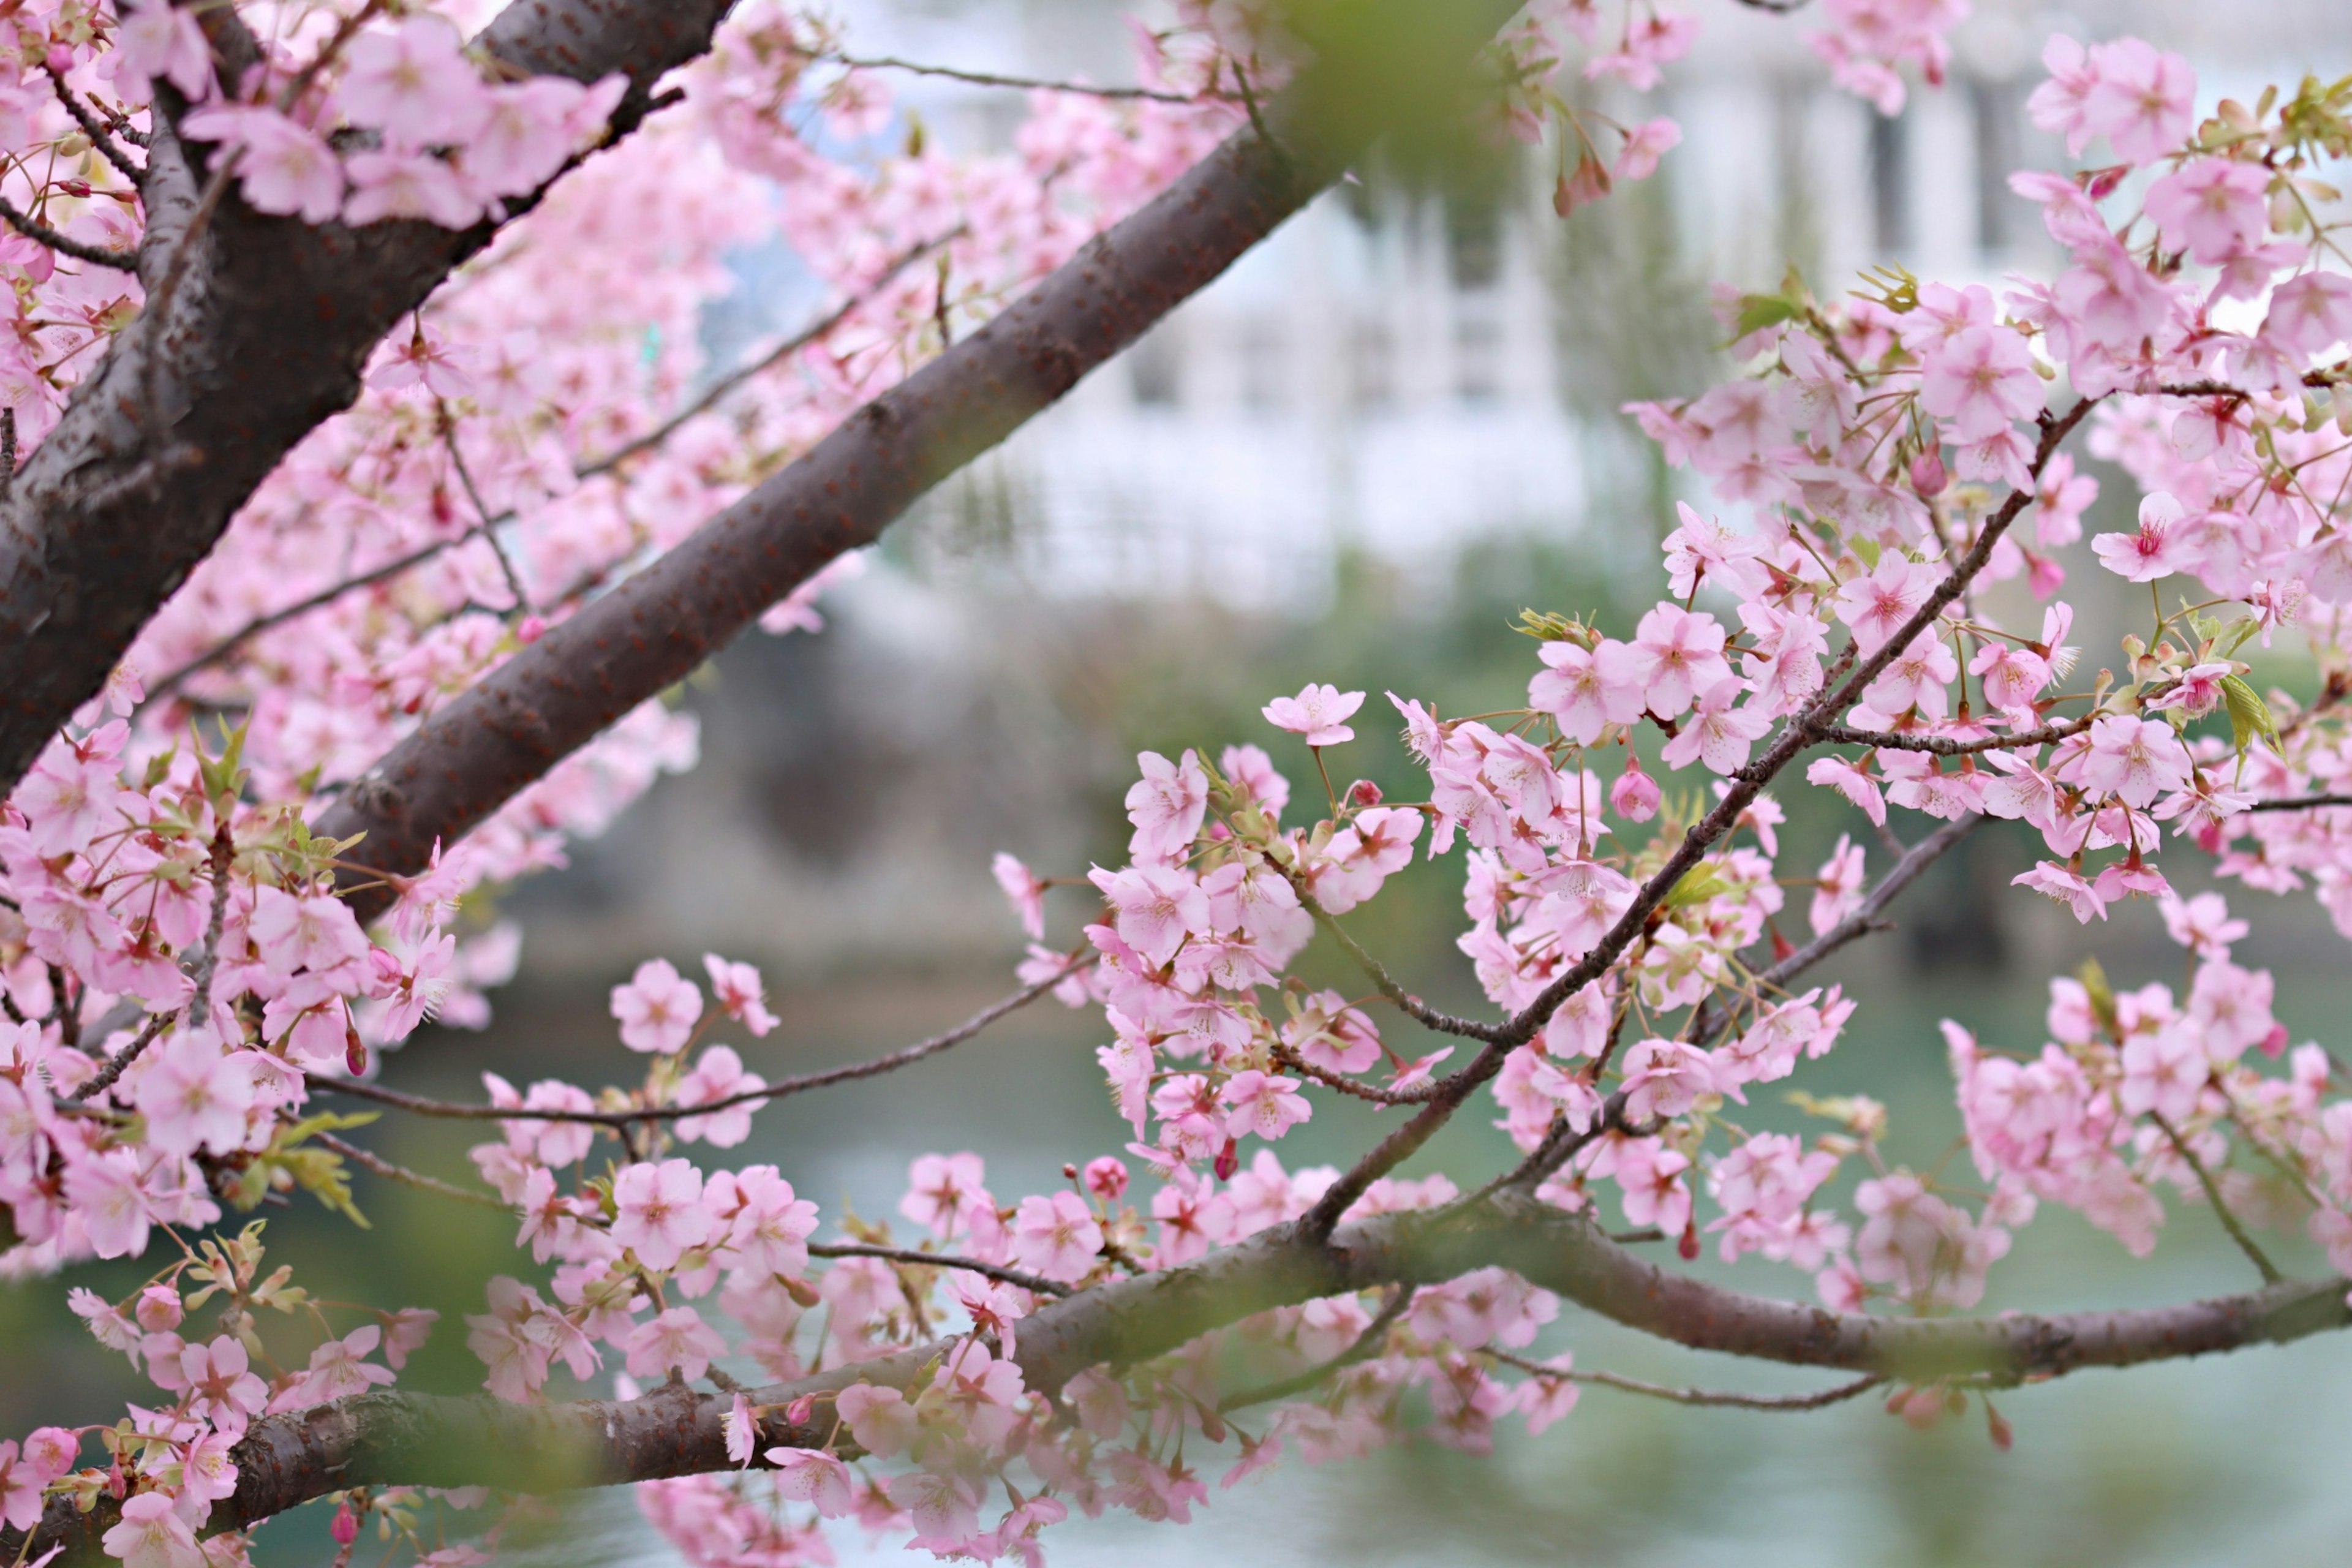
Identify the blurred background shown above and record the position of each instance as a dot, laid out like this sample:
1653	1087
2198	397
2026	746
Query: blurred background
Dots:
1355	459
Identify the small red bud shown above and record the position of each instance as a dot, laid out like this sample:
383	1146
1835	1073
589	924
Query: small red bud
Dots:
1922	1408
355	1055
1364	792
75	187
799	1411
530	628
2003	1438
346	1528
1229	1160
1688	1245
1069	1171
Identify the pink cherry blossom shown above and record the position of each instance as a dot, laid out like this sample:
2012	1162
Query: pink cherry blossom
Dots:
658	1211
1881	603
413	85
1262	1104
1167	807
2213	208
740	993
1674	656
657	1008
1055	1236
1318	713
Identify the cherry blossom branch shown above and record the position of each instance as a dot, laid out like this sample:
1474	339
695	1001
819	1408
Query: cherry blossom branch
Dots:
34	229
1944	746
1027	1282
1027	83
371	1161
1709	1022
470	756
815	332
101	1080
109	514
2254	1254
2301	803
324	597
415	1439
1802	731
1364	1346
99	137
457	1110
1838	1395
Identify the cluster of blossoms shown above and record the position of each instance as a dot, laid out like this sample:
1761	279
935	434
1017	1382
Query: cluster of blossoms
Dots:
1866	43
179	977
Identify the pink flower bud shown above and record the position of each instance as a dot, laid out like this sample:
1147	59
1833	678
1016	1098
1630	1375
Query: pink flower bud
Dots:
530	628
2272	1044
158	1309
799	1411
1927	476
1229	1160
1923	1407
346	1526
1634	796
1107	1178
1364	792
355	1055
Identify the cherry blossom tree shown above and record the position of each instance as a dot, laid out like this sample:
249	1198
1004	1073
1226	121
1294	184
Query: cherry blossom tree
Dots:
364	487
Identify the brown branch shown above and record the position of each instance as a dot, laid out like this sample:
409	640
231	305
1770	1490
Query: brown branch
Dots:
34	229
2302	803
324	596
1708	1396
170	432
368	1160
1037	1283
815	332
2254	1254
1364	1346
1709	1020
114	1066
472	755
357	1089
414	1439
1027	83
1943	746
91	126
1802	731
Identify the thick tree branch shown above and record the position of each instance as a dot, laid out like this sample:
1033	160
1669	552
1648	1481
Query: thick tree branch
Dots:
261	338
414	1439
475	754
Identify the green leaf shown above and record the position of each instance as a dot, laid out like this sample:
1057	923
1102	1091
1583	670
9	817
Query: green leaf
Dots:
1758	312
1867	549
1697	885
2250	715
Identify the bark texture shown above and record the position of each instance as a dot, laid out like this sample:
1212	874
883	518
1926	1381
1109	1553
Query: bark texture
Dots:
261	338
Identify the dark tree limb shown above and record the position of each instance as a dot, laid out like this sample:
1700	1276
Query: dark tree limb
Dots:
261	338
475	754
415	1439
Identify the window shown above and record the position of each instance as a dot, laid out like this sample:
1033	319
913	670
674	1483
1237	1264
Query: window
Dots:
1890	181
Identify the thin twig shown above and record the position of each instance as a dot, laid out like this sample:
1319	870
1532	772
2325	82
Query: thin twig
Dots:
1365	1344
34	229
2254	1254
1710	1396
407	1177
113	1068
485	524
1033	1282
423	1106
99	136
1027	83
1709	1020
2302	803
324	596
1943	746
815	332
